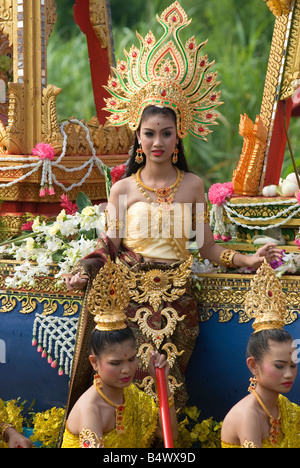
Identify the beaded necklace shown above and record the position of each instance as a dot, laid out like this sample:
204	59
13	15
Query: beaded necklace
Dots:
274	422
164	196
119	408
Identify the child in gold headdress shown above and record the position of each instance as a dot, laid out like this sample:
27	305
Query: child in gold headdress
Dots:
113	412
266	418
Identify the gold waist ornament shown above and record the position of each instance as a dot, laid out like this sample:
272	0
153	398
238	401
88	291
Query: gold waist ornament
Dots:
157	285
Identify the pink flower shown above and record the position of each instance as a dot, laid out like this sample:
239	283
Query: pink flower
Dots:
117	173
297	241
27	226
42	192
218	193
217	236
44	151
69	207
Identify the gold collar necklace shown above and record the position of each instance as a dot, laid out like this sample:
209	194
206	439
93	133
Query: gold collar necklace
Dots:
165	196
274	422
119	408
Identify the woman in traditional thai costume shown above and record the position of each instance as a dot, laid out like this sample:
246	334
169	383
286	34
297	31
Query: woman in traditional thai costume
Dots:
266	418
163	91
113	412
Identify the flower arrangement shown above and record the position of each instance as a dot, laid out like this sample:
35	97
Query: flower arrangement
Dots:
63	242
218	195
192	433
45	426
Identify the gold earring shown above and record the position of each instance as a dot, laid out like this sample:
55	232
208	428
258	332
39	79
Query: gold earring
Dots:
97	381
139	156
175	156
253	383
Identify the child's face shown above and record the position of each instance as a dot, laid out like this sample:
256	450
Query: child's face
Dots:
277	371
117	365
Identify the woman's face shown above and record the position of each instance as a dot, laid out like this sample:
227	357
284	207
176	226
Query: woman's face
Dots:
158	137
117	365
277	371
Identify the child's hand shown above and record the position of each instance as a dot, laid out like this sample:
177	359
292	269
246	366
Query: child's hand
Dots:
158	360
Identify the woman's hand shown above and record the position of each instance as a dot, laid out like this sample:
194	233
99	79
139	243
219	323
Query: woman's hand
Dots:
75	282
270	252
158	360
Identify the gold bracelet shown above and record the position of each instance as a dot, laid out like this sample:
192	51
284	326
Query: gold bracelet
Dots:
226	258
112	224
88	439
201	218
3	429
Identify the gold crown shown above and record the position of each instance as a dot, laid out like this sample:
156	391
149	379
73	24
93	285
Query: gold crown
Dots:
165	73
109	297
266	301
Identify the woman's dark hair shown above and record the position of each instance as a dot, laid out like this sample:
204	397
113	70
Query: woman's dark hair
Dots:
133	166
100	341
259	343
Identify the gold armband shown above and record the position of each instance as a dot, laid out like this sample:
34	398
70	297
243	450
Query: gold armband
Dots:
3	429
88	439
249	444
201	218
226	258
112	224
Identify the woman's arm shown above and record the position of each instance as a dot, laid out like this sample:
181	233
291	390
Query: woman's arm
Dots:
210	250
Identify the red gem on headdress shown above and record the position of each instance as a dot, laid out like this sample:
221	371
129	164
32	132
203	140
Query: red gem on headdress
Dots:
209	116
270	294
86	444
149	40
112	103
201	129
163	93
213	97
122	66
191	46
112	292
134	54
167	69
157	279
174	19
114	84
202	63
208	79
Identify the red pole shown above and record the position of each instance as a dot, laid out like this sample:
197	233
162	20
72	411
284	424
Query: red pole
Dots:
164	407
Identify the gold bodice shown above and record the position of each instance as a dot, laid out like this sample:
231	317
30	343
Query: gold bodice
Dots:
140	422
289	426
157	233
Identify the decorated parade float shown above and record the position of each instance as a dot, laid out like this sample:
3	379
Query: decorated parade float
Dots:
61	175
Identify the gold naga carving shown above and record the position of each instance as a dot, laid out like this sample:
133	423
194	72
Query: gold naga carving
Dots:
247	175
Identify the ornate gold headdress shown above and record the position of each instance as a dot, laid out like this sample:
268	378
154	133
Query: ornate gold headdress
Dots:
109	296
266	302
165	73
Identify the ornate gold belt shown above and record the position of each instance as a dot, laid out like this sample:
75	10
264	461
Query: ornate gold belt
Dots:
153	286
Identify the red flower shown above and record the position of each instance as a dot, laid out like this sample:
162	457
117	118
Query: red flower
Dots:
27	226
69	207
117	173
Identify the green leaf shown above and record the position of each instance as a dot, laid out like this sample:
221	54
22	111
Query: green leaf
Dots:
82	201
57	256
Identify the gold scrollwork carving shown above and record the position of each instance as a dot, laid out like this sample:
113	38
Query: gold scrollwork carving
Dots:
8	303
157	336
